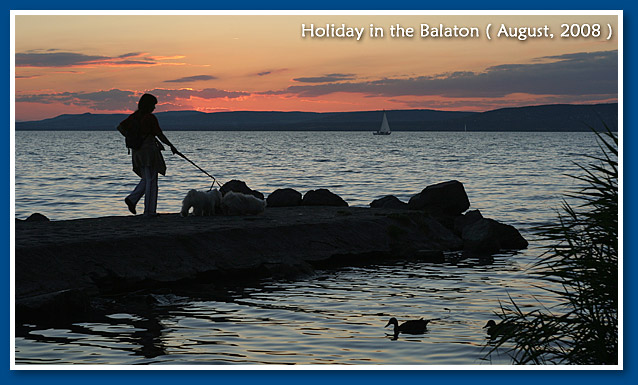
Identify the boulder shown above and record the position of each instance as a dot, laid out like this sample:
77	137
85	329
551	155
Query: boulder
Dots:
444	237
286	197
446	198
240	187
461	221
487	236
37	217
322	197
388	202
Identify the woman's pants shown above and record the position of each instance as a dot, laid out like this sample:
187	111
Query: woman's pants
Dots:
148	188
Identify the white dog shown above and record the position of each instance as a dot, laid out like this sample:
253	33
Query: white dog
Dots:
204	203
234	203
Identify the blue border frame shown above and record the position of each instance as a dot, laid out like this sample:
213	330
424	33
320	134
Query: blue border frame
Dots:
358	376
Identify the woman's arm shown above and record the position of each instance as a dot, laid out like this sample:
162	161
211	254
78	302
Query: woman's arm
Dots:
165	140
160	135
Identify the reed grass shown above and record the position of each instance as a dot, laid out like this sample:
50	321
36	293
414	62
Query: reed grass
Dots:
582	262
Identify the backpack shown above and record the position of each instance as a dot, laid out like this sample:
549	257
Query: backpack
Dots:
132	131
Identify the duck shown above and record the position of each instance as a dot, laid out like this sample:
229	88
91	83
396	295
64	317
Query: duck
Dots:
409	327
495	329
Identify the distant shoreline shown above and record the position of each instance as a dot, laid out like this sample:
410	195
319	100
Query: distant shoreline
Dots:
544	118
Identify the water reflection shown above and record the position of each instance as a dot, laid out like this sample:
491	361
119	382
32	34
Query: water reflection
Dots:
94	341
335	317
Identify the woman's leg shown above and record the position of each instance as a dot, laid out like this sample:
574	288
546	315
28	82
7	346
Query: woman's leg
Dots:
151	191
136	195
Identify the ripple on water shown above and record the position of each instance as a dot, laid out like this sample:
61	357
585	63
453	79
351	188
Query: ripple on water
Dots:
337	316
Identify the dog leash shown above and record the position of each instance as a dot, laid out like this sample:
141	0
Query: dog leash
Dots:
200	169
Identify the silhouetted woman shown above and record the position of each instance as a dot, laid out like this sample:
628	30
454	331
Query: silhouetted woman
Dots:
147	160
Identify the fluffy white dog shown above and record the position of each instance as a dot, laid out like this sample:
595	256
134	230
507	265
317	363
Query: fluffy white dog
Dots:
204	203
234	203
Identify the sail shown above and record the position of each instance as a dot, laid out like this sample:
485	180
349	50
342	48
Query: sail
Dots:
385	127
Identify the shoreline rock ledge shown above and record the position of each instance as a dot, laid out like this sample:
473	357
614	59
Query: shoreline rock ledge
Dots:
58	264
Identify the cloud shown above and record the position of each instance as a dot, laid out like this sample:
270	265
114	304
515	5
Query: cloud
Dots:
56	59
118	100
161	58
325	78
271	72
27	76
110	100
512	100
571	74
188	79
207	93
60	59
131	54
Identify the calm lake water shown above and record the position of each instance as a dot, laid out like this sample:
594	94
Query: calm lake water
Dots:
336	316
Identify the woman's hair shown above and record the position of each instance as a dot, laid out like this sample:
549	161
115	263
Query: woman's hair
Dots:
146	103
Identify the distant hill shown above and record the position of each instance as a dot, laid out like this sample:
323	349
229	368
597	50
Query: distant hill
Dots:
557	117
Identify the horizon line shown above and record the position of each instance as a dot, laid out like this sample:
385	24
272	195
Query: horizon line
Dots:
328	112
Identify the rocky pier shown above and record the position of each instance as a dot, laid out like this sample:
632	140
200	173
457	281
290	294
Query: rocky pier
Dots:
59	265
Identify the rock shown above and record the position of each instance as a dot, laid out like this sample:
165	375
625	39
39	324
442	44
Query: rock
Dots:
436	231
37	217
290	270
322	197
101	256
62	266
286	197
487	236
510	238
388	202
466	219
240	187
57	305
435	256
447	198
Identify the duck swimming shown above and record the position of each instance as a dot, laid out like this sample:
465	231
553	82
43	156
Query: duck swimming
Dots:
409	327
494	329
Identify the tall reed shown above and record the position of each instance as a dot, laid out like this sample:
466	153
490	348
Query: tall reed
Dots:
582	262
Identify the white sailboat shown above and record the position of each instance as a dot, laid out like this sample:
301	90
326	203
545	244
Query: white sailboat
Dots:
385	127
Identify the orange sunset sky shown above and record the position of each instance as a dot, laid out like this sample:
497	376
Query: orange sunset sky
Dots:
102	64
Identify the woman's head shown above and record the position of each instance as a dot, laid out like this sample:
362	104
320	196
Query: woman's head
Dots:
147	103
